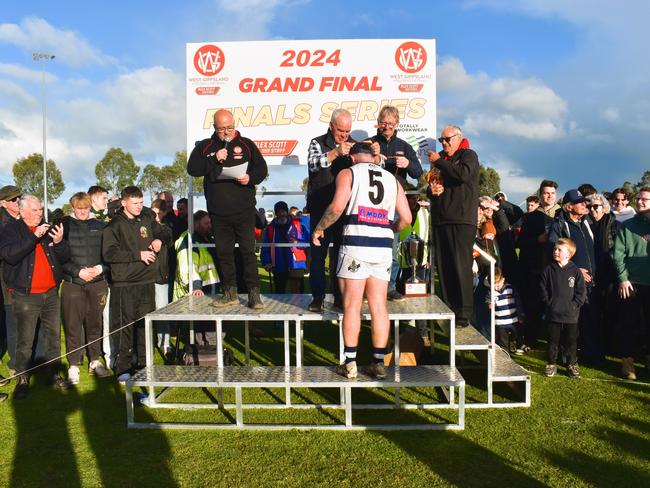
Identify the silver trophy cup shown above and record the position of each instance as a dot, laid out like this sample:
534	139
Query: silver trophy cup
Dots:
413	250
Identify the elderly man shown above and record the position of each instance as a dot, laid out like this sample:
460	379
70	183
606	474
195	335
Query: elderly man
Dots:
398	158
632	261
572	223
32	252
9	196
231	203
454	201
371	198
328	155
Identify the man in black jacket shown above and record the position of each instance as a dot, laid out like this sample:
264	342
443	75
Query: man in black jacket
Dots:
453	214
130	244
9	197
32	251
84	289
231	203
328	155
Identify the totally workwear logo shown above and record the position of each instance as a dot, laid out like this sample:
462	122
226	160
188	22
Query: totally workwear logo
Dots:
411	57
209	60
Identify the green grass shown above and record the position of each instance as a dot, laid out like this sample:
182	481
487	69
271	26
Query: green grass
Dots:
592	431
588	432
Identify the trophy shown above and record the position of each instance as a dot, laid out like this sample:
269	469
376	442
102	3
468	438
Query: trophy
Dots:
413	249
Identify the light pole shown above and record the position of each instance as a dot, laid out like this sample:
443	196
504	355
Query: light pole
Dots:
42	57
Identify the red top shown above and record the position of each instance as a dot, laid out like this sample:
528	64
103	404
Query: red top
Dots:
43	277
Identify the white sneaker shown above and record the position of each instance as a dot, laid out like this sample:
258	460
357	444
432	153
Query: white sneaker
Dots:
124	377
96	368
73	375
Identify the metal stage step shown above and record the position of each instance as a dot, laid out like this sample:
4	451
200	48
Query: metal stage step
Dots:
470	339
506	369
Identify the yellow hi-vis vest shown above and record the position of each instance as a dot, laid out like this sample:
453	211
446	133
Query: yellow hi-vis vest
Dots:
421	227
203	267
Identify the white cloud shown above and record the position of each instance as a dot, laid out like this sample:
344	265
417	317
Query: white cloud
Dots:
15	95
36	34
525	108
20	72
611	114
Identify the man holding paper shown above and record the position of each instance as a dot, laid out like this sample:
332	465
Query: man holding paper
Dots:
231	166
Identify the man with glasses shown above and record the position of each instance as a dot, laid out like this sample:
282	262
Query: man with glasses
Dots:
9	197
399	159
454	201
632	261
231	203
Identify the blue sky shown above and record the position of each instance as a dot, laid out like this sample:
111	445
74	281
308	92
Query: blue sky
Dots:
542	88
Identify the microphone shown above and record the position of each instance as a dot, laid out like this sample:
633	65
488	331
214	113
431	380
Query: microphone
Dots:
227	140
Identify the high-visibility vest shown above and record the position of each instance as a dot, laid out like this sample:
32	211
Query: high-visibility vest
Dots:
203	267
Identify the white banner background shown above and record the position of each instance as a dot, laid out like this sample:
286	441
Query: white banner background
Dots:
282	93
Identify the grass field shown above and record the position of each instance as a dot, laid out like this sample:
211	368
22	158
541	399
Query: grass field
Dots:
594	431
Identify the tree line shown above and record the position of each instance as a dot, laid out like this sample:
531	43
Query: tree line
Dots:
114	171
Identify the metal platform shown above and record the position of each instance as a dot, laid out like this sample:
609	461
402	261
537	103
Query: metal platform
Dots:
239	377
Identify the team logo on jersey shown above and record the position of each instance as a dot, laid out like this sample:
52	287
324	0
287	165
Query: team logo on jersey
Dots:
354	266
236	149
572	282
143	232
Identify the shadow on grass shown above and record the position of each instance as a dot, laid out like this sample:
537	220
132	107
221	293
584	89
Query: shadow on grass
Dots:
123	456
42	434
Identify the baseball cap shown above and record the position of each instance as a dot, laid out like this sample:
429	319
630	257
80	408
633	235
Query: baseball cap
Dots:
9	192
573	196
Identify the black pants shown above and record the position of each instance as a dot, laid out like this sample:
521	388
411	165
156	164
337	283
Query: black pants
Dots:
590	332
555	332
318	255
28	309
236	228
635	321
453	254
506	335
83	308
130	304
533	308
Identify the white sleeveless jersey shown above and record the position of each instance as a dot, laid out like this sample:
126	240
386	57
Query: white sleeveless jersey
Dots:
367	232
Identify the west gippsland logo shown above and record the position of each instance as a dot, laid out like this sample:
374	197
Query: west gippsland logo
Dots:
411	57
209	60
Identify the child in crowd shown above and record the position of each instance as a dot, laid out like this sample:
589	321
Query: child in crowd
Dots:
508	314
563	292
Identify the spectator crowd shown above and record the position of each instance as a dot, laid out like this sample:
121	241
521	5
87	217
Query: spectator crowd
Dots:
574	273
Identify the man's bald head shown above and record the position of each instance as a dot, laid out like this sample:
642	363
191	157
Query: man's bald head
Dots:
224	124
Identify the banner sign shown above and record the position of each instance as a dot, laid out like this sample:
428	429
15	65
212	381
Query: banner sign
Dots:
282	93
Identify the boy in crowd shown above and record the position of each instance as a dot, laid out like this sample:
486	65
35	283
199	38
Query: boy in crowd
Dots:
508	314
563	292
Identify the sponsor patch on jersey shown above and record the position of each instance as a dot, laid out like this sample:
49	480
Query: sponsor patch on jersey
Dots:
143	232
236	150
373	215
572	282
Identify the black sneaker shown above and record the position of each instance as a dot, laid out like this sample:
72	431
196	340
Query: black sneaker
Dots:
316	304
22	388
395	296
58	383
573	371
